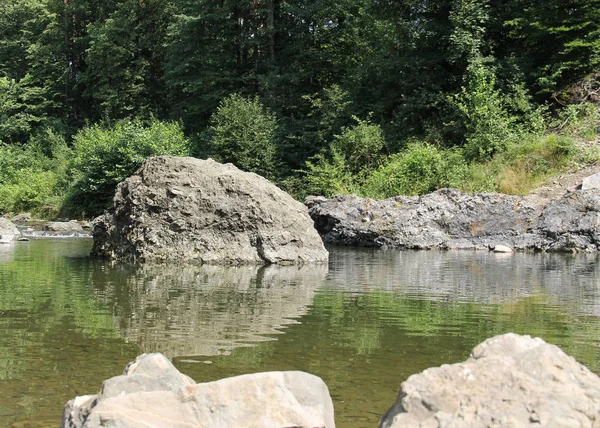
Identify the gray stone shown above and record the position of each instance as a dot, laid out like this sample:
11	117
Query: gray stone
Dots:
8	231
21	218
153	393
200	210
502	249
63	227
443	219
571	223
508	381
449	219
591	183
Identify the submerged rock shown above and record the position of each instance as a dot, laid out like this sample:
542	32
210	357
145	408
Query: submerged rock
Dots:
153	393
450	219
508	381
191	209
8	231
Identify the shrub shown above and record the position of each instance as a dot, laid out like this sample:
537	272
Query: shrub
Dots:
243	132
103	157
489	118
419	169
360	145
351	157
33	177
329	177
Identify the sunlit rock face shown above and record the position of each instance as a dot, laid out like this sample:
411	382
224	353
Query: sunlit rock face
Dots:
152	392
508	381
185	310
190	209
8	231
450	219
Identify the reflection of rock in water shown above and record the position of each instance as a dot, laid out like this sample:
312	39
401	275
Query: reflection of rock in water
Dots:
7	252
205	310
469	275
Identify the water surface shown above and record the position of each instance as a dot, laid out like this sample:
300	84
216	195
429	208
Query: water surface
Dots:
364	323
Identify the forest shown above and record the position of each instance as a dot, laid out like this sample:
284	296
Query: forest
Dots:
373	97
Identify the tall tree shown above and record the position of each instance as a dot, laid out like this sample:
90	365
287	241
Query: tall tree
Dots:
125	60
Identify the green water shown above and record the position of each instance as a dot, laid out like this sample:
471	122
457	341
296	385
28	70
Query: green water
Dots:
364	324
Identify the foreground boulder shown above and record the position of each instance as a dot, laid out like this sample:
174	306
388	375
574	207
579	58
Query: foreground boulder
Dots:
153	393
191	209
450	219
8	231
508	381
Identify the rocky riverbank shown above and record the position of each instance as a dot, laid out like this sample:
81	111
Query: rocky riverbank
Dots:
450	219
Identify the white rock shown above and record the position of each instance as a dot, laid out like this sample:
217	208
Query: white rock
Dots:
8	231
152	393
591	183
514	381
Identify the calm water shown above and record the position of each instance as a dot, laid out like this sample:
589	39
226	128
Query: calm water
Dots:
364	324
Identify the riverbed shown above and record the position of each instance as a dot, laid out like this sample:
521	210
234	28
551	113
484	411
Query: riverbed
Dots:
364	323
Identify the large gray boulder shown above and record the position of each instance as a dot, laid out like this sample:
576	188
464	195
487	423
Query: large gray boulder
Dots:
508	381
191	209
450	219
8	231
443	219
152	393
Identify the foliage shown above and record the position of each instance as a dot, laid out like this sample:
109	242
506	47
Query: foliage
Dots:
126	57
420	169
466	74
352	155
33	178
579	120
243	132
484	116
106	155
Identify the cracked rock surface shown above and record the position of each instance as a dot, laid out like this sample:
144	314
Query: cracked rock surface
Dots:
187	209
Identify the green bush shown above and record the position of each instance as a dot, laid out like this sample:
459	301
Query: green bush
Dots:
243	132
328	177
351	157
360	145
105	156
419	169
491	119
33	177
578	120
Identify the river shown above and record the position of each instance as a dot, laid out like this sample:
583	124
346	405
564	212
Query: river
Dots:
364	323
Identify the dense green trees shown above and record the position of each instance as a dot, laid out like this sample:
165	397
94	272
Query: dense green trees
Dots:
271	85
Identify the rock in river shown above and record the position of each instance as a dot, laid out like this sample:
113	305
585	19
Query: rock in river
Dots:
450	219
443	219
508	381
153	393
8	231
191	209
